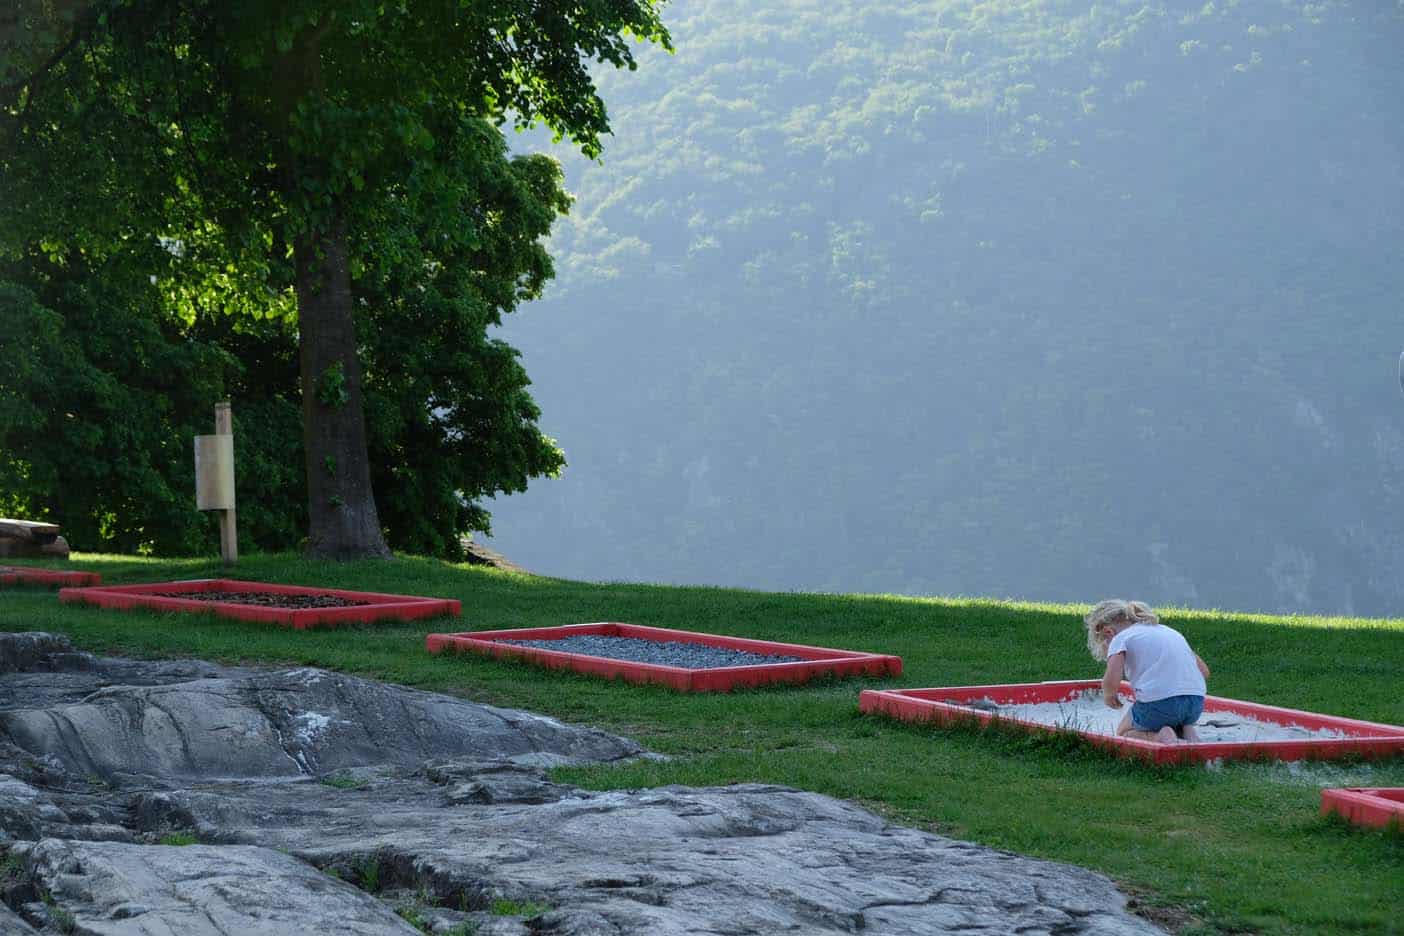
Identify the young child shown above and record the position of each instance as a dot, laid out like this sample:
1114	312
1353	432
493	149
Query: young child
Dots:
1166	676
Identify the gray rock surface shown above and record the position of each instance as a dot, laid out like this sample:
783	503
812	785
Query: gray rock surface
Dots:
115	889
195	723
12	924
299	784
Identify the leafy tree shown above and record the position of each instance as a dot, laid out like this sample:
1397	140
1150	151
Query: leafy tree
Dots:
109	384
286	151
451	419
97	409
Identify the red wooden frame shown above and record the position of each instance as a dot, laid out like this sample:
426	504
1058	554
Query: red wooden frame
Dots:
27	575
1370	806
815	661
378	606
930	705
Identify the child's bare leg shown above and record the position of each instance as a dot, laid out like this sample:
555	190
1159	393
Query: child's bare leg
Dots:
1126	730
1190	734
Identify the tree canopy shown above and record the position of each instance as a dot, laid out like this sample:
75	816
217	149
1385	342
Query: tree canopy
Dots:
334	164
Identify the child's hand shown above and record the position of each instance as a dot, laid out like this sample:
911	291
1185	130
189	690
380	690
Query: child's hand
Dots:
1111	680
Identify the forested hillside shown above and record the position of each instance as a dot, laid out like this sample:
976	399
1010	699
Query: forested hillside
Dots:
1021	298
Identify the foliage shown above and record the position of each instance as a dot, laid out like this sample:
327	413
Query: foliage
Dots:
104	396
257	141
98	407
450	417
179	839
1155	831
12	868
414	917
345	781
331	391
506	906
63	920
368	873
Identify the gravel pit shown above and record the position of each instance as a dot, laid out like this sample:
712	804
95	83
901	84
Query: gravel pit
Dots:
658	652
267	599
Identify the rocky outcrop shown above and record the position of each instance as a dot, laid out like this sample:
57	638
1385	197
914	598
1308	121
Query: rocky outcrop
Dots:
323	803
116	889
12	924
288	724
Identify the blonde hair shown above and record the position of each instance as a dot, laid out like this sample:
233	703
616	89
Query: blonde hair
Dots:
1114	611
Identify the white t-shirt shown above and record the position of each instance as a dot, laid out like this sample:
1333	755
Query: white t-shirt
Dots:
1159	662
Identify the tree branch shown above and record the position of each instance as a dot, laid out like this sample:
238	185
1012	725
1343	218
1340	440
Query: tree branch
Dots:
9	92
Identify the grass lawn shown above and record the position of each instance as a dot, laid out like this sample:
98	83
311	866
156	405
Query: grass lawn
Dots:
1240	848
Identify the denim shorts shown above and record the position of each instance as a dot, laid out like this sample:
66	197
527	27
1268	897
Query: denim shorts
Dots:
1175	712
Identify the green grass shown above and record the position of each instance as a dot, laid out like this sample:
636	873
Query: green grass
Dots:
414	917
63	920
504	906
179	839
345	781
368	874
11	868
1240	848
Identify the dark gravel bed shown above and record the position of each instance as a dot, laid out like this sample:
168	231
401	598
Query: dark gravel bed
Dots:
658	652
267	599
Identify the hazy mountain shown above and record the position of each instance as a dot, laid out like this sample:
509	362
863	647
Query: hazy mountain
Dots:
1039	299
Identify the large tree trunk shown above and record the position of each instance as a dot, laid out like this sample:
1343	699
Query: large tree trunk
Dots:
343	522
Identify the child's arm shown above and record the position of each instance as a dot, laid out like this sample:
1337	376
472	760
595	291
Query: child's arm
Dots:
1111	682
1203	667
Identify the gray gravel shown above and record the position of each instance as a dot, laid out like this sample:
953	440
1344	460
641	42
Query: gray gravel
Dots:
658	652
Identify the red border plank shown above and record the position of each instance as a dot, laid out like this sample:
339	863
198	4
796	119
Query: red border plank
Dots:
378	606
1369	806
815	661
27	575
931	705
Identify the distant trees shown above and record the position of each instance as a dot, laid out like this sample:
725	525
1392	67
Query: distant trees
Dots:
872	263
332	161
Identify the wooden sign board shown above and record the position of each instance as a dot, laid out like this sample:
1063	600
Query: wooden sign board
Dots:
214	472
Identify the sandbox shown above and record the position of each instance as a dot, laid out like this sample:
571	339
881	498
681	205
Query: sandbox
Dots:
1229	729
752	662
294	606
53	578
1370	806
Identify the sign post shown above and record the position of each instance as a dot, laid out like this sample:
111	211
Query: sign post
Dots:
214	479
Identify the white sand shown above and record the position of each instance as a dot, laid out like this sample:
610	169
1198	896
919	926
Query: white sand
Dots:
1086	712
